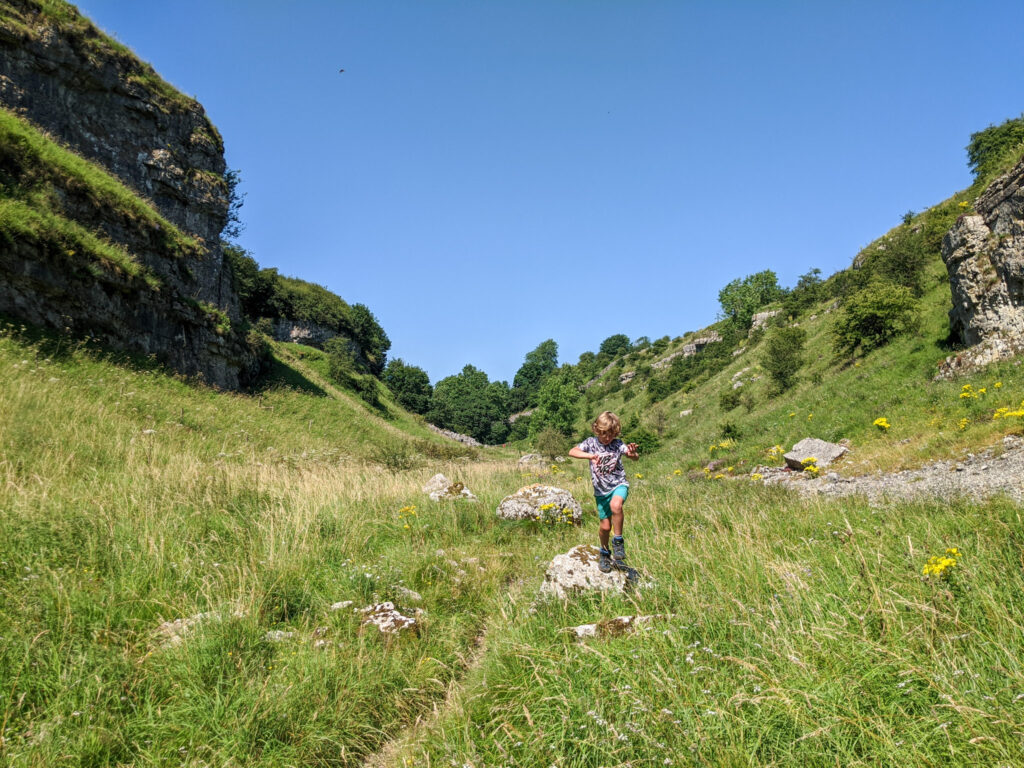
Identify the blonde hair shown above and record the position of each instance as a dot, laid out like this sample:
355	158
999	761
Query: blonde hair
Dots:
607	424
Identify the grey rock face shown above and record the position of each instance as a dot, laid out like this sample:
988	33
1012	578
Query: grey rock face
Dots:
811	447
299	332
698	344
984	255
161	145
543	502
464	439
761	318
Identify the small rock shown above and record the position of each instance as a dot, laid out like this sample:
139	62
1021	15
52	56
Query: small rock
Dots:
409	594
615	627
387	618
340	605
687	412
439	487
278	636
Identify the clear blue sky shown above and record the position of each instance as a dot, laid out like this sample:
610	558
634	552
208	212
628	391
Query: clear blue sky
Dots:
489	174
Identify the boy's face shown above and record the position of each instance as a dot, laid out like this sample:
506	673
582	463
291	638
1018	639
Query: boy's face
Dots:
606	437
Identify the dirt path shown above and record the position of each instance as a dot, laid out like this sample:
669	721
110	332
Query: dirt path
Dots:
388	755
993	471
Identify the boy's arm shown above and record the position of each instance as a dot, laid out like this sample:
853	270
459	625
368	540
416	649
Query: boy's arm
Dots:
576	453
633	451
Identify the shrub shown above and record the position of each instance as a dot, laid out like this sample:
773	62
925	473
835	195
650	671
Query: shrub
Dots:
741	298
395	456
550	442
874	316
644	438
784	355
729	399
988	149
730	431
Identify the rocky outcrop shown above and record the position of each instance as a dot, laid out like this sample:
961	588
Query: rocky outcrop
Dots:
761	318
984	255
299	332
464	439
440	487
695	346
95	97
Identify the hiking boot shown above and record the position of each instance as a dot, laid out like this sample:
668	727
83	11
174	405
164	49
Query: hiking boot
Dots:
619	554
604	562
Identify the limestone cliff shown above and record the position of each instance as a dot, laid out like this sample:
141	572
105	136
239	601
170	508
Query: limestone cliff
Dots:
95	98
984	254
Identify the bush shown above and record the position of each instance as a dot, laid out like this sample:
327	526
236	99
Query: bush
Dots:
989	148
644	438
551	443
874	316
783	356
729	399
395	456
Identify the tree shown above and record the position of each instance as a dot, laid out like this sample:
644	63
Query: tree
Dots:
370	337
410	385
988	148
741	298
537	365
233	225
614	346
874	316
558	404
782	357
807	292
470	404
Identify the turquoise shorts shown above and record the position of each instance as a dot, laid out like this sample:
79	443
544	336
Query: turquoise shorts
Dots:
604	503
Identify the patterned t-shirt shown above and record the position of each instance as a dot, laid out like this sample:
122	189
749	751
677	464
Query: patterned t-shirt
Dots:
607	472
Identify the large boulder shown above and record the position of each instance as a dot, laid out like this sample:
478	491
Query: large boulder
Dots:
813	448
576	572
541	502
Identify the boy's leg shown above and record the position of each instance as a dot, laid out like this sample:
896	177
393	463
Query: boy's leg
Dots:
617	518
605	531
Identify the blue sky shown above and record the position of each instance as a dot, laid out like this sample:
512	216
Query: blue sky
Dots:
486	175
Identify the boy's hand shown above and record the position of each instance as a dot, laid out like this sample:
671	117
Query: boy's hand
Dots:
633	451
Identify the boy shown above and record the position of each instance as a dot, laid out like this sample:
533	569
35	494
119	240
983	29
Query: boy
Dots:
604	452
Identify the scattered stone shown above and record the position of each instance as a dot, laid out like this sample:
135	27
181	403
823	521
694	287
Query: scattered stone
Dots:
740	373
408	594
543	502
617	626
738	352
387	618
628	376
440	487
687	412
576	571
172	633
278	636
341	605
530	459
812	447
321	631
464	439
321	644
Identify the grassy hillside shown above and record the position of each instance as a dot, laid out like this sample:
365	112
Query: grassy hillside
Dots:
798	632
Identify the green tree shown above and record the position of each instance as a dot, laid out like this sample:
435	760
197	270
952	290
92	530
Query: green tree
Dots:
233	225
537	366
741	298
470	404
988	149
874	316
614	346
410	385
558	405
782	357
807	292
368	334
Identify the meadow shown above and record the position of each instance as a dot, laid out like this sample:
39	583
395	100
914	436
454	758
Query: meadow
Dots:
792	631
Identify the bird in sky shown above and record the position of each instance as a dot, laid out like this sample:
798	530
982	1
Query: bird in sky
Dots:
340	71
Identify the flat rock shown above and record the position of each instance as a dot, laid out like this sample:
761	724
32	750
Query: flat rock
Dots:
541	502
576	572
812	447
